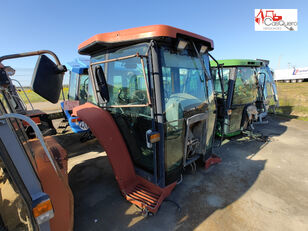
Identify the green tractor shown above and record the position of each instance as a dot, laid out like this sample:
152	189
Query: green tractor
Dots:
236	89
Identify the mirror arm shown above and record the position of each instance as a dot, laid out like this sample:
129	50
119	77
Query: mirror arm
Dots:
32	53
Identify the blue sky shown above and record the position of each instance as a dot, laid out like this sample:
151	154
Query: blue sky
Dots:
61	26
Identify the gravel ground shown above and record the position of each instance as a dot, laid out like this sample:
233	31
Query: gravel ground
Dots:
258	186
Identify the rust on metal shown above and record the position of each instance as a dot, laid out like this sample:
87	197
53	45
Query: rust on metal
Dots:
32	53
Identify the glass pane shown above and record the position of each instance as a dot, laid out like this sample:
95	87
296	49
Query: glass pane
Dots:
126	83
225	76
14	213
125	77
91	97
83	88
73	86
245	86
269	89
212	115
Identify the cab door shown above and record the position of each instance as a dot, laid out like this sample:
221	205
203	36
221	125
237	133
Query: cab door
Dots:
245	93
273	88
212	110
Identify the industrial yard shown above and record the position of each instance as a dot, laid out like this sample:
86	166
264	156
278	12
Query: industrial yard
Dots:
257	186
158	116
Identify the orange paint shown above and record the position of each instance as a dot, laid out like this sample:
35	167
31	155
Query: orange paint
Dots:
145	32
134	188
55	184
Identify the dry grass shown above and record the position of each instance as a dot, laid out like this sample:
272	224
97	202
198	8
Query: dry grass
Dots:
35	97
293	100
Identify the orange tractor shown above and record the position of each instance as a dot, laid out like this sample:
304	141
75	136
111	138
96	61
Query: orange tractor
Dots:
154	109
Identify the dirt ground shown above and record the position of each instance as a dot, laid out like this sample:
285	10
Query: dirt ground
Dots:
46	106
258	186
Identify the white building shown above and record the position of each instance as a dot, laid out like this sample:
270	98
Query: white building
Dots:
291	75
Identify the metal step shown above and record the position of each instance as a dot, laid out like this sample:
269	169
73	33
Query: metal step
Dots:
62	126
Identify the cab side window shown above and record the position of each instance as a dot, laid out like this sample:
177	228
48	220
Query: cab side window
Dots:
72	92
83	88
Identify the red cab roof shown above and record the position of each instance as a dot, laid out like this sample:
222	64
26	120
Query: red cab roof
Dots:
137	34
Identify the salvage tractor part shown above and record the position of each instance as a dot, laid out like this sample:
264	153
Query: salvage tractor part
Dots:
154	110
267	99
44	67
33	172
236	94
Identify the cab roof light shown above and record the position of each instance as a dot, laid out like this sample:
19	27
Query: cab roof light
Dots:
203	49
43	211
182	44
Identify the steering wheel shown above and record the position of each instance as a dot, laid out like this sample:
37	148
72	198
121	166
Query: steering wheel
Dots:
124	97
139	96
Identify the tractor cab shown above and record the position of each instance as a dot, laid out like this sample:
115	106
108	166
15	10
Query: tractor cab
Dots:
236	94
154	110
80	88
267	95
155	81
79	92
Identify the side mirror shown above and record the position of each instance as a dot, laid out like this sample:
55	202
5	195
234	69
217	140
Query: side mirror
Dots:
47	79
101	82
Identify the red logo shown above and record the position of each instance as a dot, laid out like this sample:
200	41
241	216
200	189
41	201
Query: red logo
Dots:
270	14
